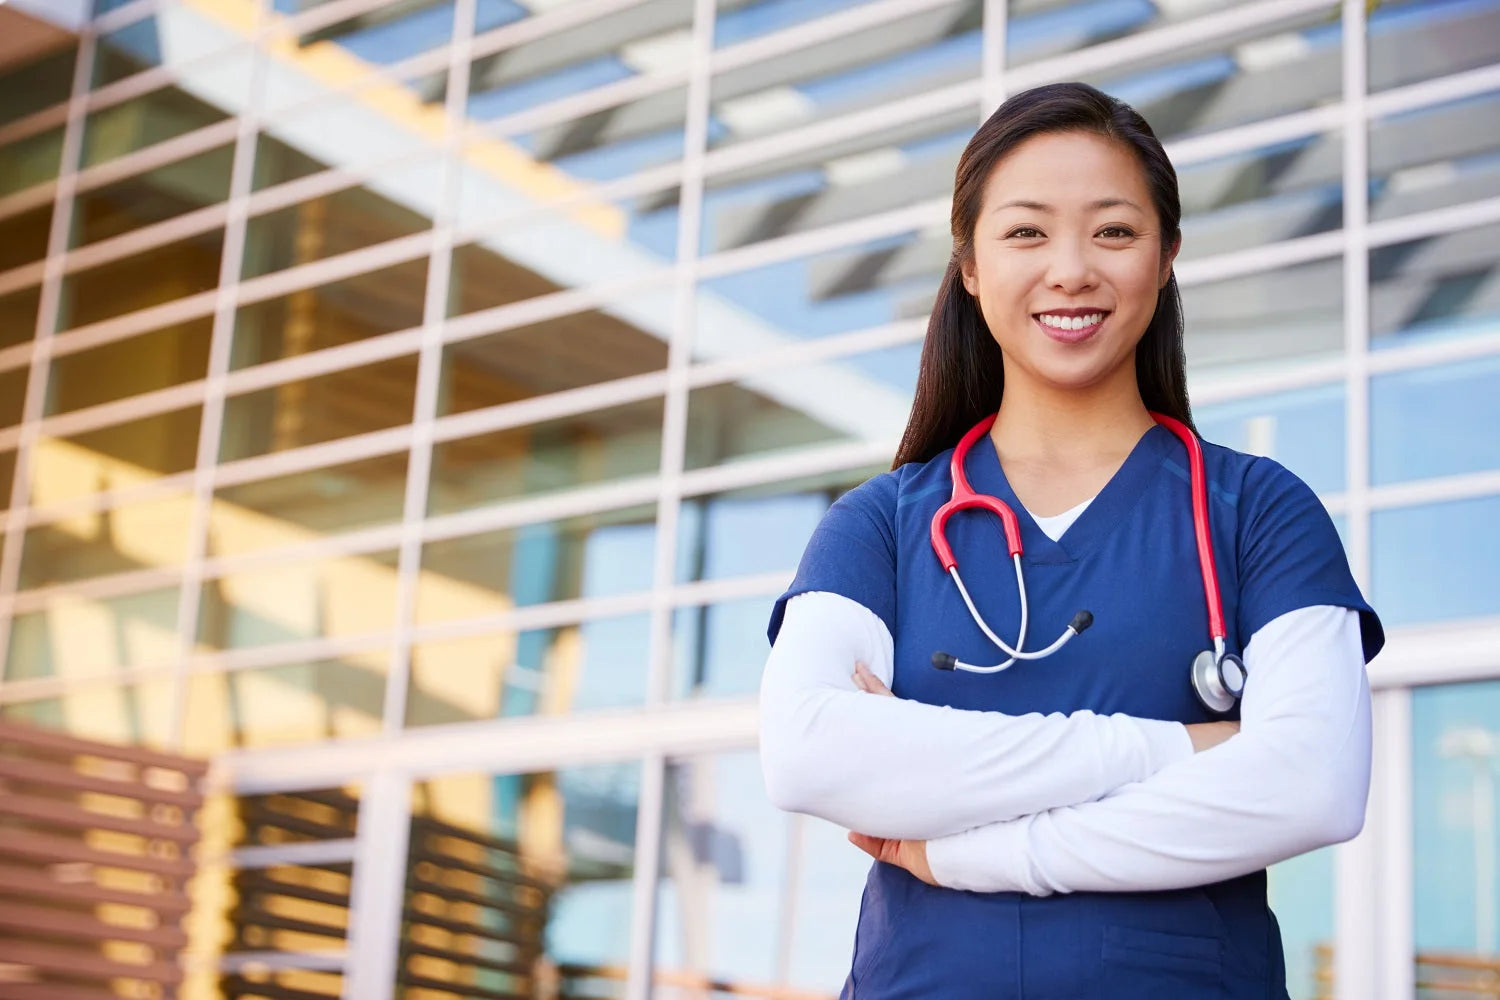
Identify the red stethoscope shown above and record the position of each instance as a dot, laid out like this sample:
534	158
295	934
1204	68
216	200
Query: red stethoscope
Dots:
1217	676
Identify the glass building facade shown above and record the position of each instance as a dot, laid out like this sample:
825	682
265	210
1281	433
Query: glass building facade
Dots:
415	406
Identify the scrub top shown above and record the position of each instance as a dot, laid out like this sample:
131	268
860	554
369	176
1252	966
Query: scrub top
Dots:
1130	558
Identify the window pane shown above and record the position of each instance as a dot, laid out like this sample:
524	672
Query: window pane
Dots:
297	508
719	650
600	663
1434	287
299	599
738	21
141	280
1436	562
23	237
1436	157
114	457
30	161
584	450
144	363
155	196
359	116
287	705
597	555
7	477
1300	892
1303	430
864	398
131	714
1264	320
1040	29
148	535
37	83
84	638
324	408
390	34
1411	40
175	35
18	316
1423	421
339	312
533	870
13	394
164	114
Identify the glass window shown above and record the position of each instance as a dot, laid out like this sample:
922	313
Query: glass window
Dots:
113	131
862	69
277	163
1281	192
519	880
582	450
114	457
299	599
1300	891
883	169
870	284
318	409
18	315
719	650
337	223
7	476
1040	29
176	34
24	236
30	161
1428	422
13	394
296	508
389	34
85	638
863	398
155	196
1266	319
1455	765
121	368
339	312
288	704
131	714
595	555
1411	40
1433	287
151	534
743	884
599	663
1436	157
566	352
491	14
1303	430
1435	562
357	114
737	21
38	81
141	280
1234	79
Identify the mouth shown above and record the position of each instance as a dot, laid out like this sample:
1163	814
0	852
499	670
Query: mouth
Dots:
1071	329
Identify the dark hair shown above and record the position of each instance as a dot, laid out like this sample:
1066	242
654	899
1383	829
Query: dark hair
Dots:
962	375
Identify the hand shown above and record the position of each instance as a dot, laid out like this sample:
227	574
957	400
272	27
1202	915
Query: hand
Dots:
865	680
1210	734
908	854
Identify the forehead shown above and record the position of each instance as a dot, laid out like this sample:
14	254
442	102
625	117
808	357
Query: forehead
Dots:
1066	169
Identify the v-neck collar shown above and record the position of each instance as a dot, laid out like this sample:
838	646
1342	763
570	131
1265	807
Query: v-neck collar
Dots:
1103	513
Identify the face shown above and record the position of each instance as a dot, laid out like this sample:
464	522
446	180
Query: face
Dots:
1068	259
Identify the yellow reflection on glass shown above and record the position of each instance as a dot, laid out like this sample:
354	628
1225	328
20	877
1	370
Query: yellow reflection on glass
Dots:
80	637
302	599
137	714
137	536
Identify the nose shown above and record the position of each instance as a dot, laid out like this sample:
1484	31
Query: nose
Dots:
1070	268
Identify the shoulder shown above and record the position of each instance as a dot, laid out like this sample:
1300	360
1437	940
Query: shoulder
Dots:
1254	483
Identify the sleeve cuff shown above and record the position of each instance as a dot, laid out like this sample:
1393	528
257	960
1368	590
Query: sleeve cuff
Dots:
1170	743
985	859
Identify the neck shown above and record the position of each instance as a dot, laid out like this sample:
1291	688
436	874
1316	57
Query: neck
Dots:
1070	426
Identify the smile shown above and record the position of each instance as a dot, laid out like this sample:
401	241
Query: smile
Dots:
1071	329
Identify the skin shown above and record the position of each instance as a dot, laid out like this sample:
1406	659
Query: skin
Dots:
1066	222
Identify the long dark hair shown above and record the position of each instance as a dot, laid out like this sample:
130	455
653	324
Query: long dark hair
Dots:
962	375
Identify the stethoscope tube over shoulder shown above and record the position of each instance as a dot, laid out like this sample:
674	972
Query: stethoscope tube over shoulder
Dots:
1217	676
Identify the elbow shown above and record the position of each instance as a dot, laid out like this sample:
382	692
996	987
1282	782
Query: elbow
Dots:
1336	813
793	769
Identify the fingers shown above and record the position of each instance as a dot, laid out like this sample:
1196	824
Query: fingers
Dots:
865	680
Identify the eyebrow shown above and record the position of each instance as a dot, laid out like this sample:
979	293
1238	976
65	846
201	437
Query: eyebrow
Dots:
1092	206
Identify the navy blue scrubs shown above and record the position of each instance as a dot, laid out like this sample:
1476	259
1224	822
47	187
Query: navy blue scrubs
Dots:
1130	558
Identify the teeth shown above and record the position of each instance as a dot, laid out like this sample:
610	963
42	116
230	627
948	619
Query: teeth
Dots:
1071	322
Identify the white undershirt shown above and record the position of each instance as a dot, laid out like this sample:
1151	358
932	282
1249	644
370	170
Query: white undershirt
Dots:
1065	803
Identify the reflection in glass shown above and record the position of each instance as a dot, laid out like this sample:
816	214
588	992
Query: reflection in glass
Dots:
24	236
297	508
863	398
737	21
178	35
121	368
391	33
356	117
719	650
1300	891
520	885
18	315
1435	157
1302	429
1267	318
596	555
295	599
277	163
13	394
1281	192
600	663
1427	422
1436	562
7	477
143	279
339	312
36	81
583	450
30	161
1434	287
1040	29
85	638
159	194
131	714
213	92
1411	40
318	409
114	457
151	534
288	704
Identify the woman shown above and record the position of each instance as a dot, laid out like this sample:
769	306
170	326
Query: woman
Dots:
1080	825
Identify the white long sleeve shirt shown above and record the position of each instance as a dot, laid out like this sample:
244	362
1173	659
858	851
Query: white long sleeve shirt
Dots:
1043	804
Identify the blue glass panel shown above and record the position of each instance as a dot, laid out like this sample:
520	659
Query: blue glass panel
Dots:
1435	421
1303	430
1437	562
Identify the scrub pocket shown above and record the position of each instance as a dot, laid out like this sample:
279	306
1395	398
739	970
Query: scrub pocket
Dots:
1142	964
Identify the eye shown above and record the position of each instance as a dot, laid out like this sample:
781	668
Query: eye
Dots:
1120	232
1024	232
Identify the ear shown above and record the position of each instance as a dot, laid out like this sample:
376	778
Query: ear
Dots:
971	279
1165	274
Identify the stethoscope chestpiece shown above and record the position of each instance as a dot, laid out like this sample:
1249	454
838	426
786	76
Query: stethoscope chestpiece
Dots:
1218	680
